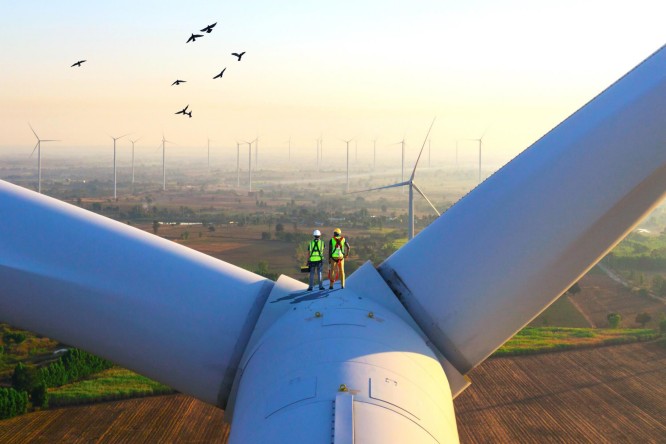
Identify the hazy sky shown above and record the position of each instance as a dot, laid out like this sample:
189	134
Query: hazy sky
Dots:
363	69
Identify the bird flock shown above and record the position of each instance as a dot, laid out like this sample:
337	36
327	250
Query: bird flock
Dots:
193	38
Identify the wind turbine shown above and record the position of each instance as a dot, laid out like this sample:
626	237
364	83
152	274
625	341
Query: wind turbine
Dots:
38	147
133	142
480	140
382	359
115	196
164	142
249	166
412	186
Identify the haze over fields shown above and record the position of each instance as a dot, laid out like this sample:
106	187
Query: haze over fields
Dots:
364	70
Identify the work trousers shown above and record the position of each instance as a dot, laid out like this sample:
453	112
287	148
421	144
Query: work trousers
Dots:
336	270
315	267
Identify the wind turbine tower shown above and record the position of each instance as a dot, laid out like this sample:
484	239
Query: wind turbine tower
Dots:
115	195
133	142
480	140
38	147
249	166
347	142
164	142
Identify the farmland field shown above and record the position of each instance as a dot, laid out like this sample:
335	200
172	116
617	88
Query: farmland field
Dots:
609	394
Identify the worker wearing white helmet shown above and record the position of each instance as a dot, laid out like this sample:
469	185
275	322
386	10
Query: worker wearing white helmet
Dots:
316	258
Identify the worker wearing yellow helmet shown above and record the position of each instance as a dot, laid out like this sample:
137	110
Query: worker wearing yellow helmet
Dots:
338	250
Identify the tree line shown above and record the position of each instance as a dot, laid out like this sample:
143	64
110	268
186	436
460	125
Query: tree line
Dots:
30	384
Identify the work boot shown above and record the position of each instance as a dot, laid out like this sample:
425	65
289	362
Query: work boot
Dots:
330	287
321	287
309	288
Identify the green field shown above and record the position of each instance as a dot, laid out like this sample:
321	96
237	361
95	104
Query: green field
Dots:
562	313
111	384
532	340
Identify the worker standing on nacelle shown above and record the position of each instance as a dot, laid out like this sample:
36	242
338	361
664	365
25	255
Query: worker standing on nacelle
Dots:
316	258
338	250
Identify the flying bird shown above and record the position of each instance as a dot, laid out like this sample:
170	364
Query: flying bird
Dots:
238	55
77	63
220	74
189	114
209	28
183	111
178	82
193	38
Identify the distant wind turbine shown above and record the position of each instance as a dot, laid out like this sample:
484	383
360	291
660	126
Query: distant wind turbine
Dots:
164	142
480	140
133	142
38	147
249	166
412	186
115	195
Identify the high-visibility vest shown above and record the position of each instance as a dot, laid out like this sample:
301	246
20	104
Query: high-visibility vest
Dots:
316	249
337	247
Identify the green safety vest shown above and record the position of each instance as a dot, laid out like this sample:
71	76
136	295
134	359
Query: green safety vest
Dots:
337	247
316	248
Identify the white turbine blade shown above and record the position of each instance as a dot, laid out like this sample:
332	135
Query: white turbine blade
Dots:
33	131
507	250
51	140
148	304
421	152
401	184
425	197
33	150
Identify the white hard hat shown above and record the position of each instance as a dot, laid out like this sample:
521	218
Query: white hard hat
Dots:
316	233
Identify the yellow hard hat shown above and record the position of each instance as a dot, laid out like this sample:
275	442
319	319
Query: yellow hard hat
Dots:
337	231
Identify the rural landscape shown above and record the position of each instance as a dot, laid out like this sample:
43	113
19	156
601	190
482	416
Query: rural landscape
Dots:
601	346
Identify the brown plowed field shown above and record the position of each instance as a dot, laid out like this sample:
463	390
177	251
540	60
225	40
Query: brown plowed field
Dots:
609	394
600	295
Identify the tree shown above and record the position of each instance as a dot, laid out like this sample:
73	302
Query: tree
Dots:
24	377
614	319
643	318
279	228
575	289
40	396
156	226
